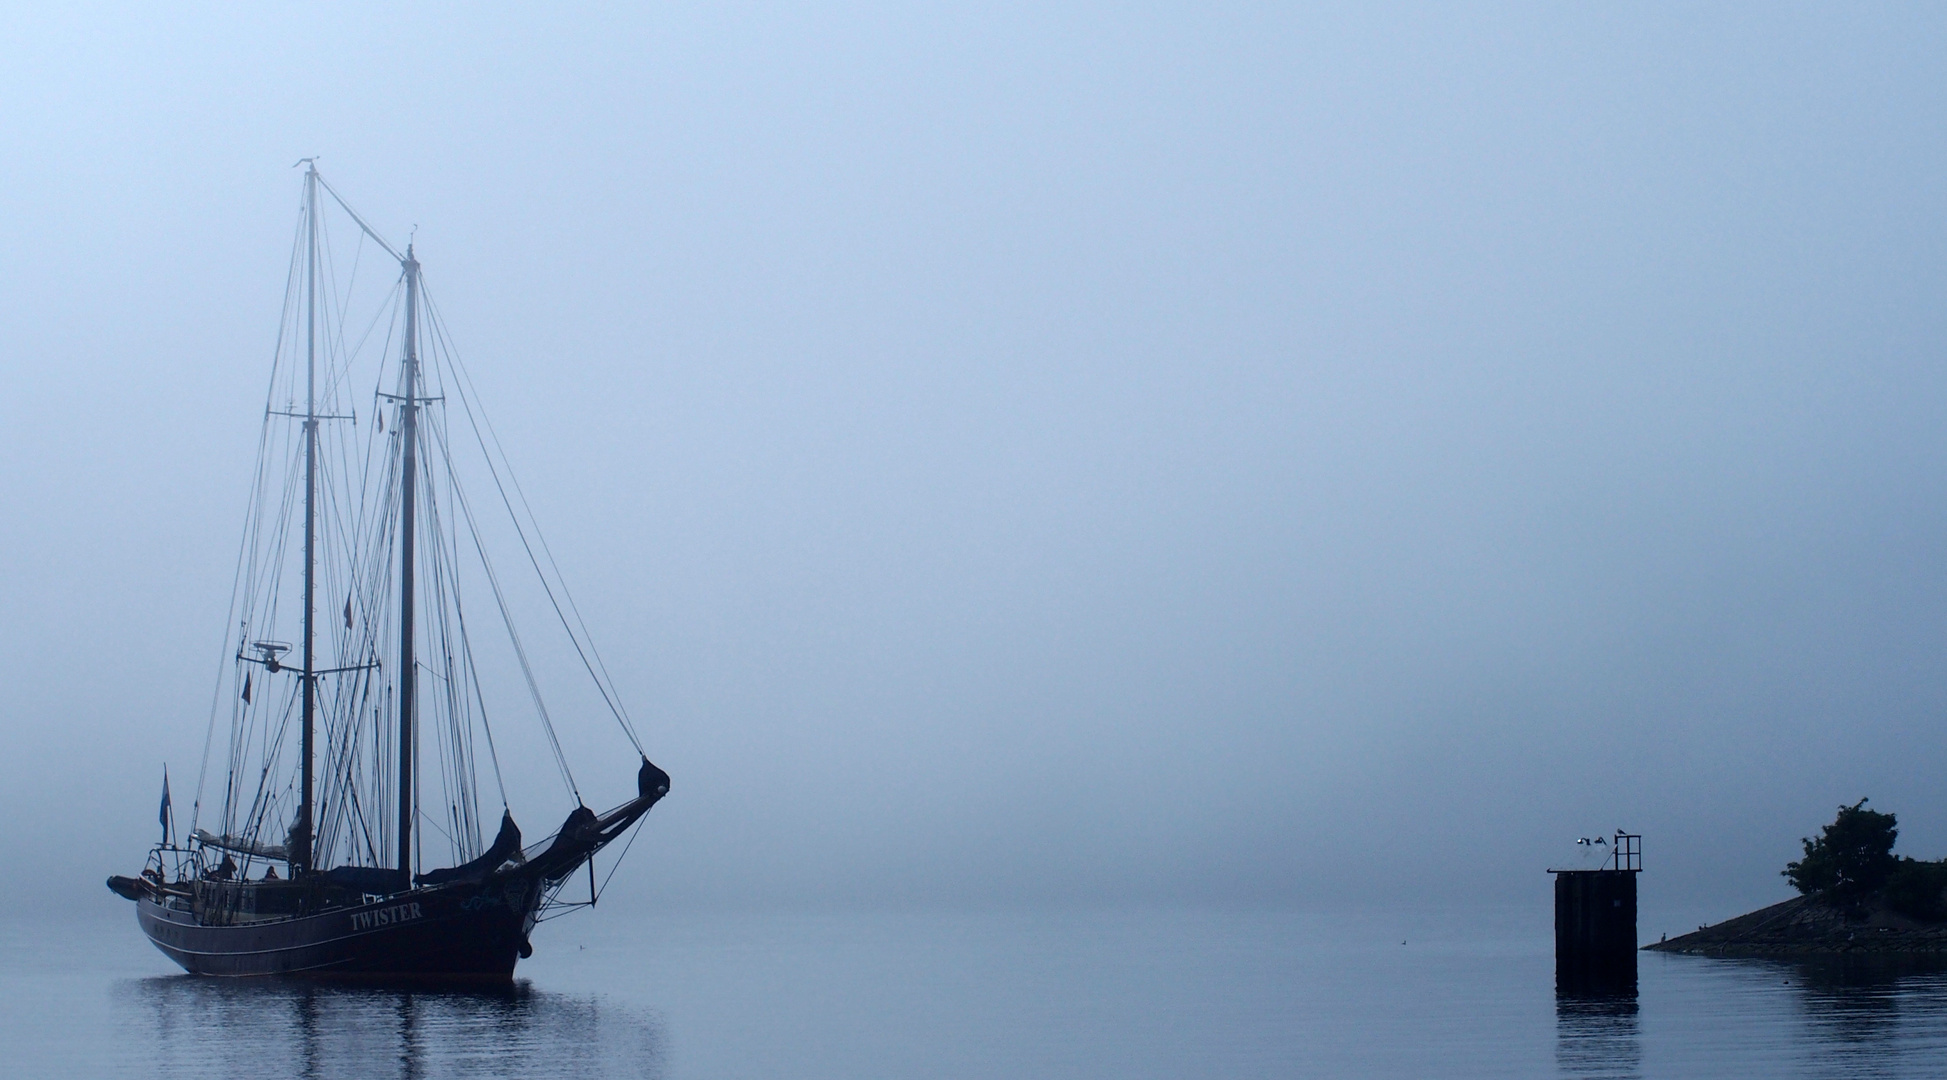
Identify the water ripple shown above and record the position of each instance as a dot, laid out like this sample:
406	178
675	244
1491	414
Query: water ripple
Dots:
202	1027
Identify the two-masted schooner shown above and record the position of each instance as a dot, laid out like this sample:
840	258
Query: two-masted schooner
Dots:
351	760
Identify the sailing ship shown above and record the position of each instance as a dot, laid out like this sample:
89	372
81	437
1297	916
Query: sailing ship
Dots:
374	815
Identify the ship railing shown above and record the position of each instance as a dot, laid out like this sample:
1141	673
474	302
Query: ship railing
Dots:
174	862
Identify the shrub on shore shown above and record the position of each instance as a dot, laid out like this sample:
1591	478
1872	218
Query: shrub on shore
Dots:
1851	857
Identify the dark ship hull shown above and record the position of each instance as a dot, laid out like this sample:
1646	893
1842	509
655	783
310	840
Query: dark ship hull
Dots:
467	931
466	923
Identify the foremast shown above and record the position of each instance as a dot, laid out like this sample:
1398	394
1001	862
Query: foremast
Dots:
409	469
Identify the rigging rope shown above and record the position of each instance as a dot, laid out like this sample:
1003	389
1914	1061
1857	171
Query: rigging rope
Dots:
463	385
244	548
376	238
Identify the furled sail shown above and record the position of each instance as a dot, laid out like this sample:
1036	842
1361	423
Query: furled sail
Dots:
242	846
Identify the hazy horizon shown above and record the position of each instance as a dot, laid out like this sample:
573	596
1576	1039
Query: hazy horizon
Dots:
1244	454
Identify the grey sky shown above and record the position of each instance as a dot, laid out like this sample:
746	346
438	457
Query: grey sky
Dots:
1248	453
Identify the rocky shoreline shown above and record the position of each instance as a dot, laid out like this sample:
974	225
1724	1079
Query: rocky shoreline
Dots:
1813	926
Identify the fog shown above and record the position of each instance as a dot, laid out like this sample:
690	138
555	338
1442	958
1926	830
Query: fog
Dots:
1089	454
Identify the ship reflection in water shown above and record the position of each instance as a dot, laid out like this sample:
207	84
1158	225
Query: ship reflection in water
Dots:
1130	995
320	1031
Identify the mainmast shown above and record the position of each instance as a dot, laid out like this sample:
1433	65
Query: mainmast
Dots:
300	841
409	468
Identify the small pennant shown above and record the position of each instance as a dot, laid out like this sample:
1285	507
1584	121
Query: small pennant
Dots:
246	688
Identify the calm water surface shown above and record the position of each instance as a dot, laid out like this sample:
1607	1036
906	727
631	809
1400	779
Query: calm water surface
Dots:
1126	994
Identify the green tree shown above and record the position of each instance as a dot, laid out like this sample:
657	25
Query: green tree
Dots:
1852	856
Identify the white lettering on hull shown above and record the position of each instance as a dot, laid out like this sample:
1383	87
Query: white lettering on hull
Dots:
387	916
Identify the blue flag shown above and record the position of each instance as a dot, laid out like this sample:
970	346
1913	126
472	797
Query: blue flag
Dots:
162	815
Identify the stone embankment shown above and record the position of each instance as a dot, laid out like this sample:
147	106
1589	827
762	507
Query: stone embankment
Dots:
1813	926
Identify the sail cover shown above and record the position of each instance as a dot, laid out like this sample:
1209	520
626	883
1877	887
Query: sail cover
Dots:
242	846
382	880
504	847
